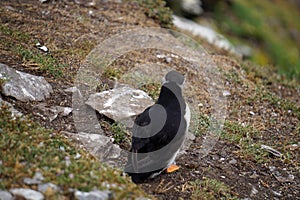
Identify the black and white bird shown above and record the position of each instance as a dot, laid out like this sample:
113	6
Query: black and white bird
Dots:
159	132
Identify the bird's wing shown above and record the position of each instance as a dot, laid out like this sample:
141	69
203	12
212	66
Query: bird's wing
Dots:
146	125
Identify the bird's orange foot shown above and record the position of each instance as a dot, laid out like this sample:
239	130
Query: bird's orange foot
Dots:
172	168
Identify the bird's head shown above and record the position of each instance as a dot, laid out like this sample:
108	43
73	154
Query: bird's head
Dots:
174	76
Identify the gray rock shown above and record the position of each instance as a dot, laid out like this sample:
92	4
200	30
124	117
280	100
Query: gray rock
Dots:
192	7
120	103
23	86
233	161
101	147
206	33
4	195
93	195
27	194
44	187
54	111
271	150
37	179
31	181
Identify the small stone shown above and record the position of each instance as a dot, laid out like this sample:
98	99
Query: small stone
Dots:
226	93
233	161
278	194
271	150
78	155
27	194
272	168
30	181
254	191
251	113
223	177
289	178
47	187
168	59
37	179
38	176
71	89
93	195
4	195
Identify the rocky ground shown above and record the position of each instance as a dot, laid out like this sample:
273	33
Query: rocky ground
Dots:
257	153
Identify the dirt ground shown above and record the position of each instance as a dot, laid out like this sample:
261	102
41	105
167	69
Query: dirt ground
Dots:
70	30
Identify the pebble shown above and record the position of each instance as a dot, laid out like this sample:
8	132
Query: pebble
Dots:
4	195
95	195
226	93
232	161
251	113
27	194
43	188
37	179
254	191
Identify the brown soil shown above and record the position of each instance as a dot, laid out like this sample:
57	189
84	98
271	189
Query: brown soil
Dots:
70	32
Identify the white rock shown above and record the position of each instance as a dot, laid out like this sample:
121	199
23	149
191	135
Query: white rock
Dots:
226	93
206	33
24	86
4	195
102	147
192	6
44	187
120	103
93	195
27	194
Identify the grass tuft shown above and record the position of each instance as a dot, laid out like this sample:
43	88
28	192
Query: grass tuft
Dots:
210	189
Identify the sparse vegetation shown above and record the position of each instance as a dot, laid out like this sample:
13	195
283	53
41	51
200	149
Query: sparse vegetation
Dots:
112	73
38	149
207	189
157	10
152	89
44	62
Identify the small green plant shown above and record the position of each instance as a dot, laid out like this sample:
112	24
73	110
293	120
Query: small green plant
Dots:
112	73
119	131
157	10
46	63
200	124
15	34
152	89
207	189
247	138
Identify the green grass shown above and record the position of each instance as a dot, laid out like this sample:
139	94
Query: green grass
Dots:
119	131
25	148
112	73
152	89
208	189
157	10
265	26
247	138
15	34
45	62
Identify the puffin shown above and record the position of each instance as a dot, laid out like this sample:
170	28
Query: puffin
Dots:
159	132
